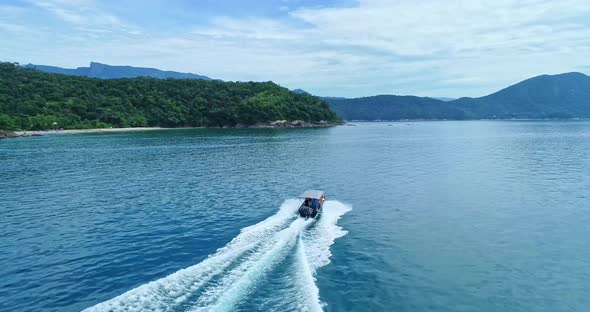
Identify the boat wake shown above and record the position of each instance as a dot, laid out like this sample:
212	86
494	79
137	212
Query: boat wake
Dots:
269	266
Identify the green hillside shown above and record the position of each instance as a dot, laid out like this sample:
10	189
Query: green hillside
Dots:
34	100
548	96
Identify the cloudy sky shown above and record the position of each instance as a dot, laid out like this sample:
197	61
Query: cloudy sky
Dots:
447	48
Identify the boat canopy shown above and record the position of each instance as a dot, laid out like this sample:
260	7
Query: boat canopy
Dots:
312	194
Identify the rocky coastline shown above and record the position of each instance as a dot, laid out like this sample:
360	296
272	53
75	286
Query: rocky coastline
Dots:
4	134
289	124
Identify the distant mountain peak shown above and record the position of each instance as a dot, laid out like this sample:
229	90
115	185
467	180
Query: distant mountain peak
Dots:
444	99
545	85
570	74
105	71
300	91
564	95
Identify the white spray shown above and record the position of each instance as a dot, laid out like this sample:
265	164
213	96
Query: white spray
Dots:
227	277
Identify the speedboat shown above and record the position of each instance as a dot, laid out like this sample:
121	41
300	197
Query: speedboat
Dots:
313	201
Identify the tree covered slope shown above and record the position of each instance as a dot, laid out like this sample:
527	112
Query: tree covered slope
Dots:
34	100
548	96
393	107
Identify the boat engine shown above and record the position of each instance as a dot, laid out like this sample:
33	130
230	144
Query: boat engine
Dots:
305	211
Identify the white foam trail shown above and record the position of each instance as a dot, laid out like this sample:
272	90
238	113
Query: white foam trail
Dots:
226	278
167	293
241	281
321	237
306	282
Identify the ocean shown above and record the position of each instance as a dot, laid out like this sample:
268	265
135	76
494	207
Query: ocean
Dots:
420	216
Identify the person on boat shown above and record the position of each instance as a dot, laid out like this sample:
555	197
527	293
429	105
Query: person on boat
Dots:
314	203
307	202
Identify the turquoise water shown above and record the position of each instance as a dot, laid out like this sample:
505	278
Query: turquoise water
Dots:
422	216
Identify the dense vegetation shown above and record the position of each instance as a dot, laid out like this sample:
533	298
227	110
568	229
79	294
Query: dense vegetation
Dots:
34	100
547	96
393	107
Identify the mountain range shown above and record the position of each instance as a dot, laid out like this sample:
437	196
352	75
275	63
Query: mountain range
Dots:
547	96
104	71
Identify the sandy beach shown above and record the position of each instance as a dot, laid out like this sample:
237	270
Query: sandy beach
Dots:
76	131
273	125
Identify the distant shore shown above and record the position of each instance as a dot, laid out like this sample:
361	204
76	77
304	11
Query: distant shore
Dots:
17	134
273	125
76	131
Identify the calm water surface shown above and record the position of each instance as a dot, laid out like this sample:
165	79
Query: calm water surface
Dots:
446	216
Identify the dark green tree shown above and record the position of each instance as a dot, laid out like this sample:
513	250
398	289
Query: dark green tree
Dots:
34	100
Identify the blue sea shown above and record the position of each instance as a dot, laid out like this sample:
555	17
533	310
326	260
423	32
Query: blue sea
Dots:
420	216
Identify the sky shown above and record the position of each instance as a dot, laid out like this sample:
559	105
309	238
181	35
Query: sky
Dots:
349	48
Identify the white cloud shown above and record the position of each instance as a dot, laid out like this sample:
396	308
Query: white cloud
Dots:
254	28
470	47
428	47
85	15
430	27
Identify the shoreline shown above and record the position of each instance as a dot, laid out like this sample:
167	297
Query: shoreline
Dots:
31	133
77	131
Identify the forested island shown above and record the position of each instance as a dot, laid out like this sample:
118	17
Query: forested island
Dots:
35	100
32	99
